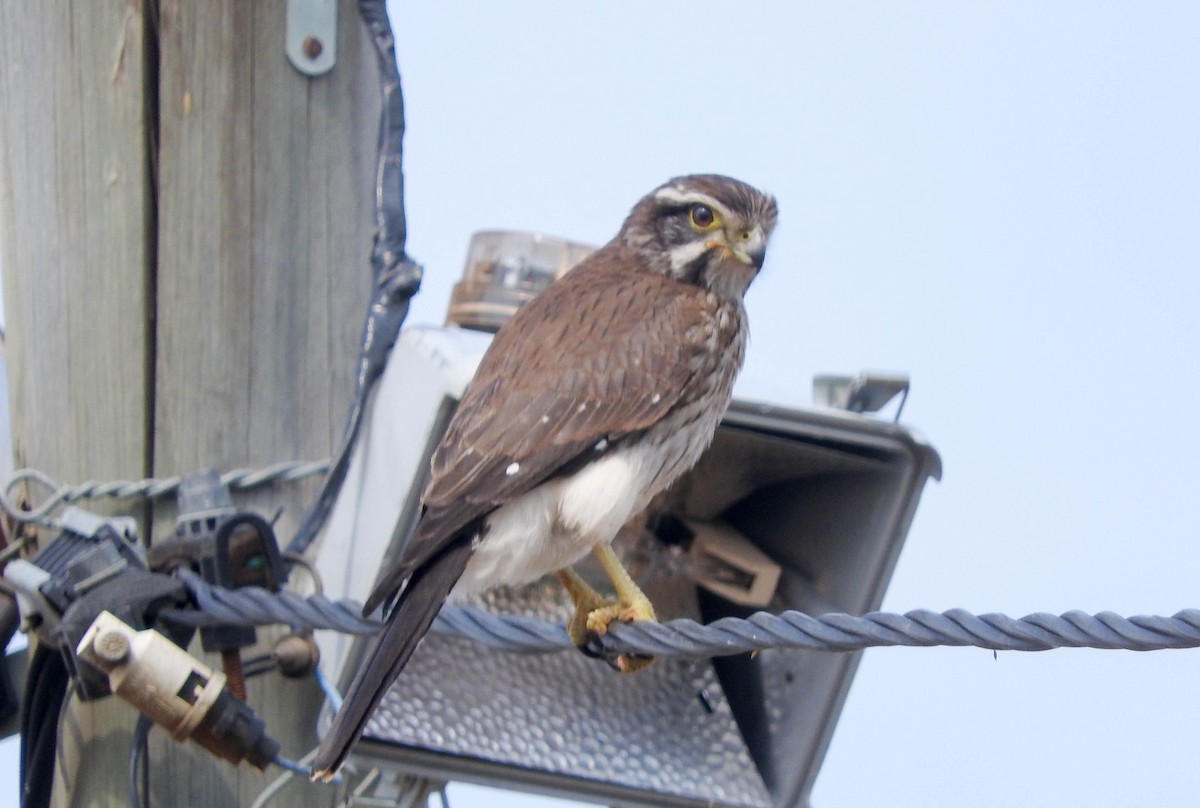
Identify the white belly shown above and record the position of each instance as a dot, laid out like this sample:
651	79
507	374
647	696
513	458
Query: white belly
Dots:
560	521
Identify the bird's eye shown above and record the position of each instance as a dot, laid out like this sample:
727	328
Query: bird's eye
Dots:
702	217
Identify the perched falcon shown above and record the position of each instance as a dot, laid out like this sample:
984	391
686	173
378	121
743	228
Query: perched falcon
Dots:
593	398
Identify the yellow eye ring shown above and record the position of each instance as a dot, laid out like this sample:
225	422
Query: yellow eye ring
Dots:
703	218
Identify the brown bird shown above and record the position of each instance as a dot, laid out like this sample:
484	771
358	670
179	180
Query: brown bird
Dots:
592	399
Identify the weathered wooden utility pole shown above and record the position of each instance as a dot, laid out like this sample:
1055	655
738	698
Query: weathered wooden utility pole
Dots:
186	223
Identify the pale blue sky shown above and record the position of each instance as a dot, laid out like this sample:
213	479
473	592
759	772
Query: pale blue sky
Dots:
1002	200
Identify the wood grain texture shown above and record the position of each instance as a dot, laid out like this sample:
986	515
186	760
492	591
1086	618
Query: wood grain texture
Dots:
265	217
73	204
73	201
265	233
208	321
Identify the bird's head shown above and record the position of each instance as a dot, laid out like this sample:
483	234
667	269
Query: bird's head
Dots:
703	229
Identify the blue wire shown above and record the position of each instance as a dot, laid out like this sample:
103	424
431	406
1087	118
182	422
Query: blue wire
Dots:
291	765
327	687
300	769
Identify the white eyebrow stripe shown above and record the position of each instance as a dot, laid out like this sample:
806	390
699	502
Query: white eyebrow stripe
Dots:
670	194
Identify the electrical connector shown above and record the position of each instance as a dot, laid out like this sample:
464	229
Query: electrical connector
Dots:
230	548
92	558
176	691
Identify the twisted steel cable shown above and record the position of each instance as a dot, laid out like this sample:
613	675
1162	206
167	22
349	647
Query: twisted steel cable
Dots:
151	487
761	631
252	606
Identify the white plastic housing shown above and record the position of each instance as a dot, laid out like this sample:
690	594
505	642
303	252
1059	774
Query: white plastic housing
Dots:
428	369
153	674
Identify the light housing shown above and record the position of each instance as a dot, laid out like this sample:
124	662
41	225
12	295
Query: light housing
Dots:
824	497
505	270
828	496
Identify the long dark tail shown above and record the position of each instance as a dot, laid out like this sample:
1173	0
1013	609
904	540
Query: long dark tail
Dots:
406	625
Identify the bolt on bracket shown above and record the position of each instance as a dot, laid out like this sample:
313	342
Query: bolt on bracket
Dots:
312	35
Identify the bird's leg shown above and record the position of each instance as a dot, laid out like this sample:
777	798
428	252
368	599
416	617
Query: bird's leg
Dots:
586	600
634	605
594	614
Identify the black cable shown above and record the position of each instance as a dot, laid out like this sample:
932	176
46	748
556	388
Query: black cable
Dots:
45	692
391	228
139	791
10	618
34	680
37	662
396	277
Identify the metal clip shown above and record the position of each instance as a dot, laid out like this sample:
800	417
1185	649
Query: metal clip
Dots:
312	35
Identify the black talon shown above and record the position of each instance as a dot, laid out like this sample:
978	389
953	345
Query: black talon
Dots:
596	650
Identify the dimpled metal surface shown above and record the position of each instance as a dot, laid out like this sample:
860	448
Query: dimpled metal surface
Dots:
667	729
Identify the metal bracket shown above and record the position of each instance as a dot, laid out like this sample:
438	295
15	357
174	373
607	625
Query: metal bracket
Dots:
312	35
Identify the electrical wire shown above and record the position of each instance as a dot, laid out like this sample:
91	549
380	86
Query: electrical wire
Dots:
45	689
303	563
832	632
301	767
139	774
290	771
258	665
58	736
332	694
396	277
730	635
150	488
292	766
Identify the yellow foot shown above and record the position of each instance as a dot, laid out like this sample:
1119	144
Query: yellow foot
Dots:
598	621
594	614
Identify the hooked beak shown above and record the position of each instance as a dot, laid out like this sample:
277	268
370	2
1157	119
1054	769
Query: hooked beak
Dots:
750	246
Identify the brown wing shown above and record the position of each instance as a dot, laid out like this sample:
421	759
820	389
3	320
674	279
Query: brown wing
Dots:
600	355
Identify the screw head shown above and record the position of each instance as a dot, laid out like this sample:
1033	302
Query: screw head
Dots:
312	47
296	655
111	646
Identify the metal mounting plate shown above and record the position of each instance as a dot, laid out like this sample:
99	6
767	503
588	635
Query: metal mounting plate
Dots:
312	35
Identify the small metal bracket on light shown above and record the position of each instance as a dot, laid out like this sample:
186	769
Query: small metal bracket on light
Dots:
866	392
312	35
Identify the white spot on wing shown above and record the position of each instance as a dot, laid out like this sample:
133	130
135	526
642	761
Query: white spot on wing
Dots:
512	469
654	399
